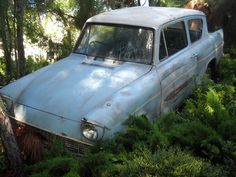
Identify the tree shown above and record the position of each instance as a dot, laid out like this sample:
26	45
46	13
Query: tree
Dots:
11	18
154	2
5	35
10	144
19	14
87	8
223	16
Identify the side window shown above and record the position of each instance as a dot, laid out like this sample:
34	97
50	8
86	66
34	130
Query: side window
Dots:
172	39
195	29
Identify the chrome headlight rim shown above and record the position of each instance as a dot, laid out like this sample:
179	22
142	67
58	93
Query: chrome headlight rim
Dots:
94	126
88	130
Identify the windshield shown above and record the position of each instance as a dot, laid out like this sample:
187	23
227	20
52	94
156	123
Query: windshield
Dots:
124	43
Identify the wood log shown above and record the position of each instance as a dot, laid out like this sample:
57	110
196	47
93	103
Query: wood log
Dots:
10	144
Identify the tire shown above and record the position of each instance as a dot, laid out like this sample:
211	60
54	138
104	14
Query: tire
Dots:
212	72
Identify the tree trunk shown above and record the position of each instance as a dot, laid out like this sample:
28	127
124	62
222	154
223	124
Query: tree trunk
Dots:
4	34
20	4
154	3
10	145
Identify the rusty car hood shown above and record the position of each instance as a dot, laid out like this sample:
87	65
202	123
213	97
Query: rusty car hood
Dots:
73	86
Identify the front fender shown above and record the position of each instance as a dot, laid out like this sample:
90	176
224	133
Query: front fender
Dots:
14	89
140	97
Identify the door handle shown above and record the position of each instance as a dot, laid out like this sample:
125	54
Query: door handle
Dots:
194	56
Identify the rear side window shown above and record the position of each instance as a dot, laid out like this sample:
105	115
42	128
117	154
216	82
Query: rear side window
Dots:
195	29
173	38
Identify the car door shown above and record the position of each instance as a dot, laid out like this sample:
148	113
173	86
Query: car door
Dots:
200	45
177	65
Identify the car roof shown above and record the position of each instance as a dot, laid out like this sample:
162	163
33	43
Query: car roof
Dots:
151	17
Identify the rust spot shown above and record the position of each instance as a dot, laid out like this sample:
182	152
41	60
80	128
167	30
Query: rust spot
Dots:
173	94
20	130
126	93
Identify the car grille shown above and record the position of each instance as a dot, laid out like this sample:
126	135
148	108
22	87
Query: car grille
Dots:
77	148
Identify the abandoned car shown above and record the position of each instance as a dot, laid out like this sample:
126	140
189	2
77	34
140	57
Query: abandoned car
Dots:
139	60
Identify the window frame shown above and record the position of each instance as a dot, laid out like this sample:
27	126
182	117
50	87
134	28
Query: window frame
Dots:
79	39
160	32
188	28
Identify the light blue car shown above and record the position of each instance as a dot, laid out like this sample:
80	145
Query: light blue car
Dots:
139	60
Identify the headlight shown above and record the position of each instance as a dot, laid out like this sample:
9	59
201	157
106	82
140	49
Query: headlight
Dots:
89	131
92	130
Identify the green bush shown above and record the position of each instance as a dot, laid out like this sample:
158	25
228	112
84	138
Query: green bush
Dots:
168	162
55	167
100	164
2	67
56	149
149	154
2	163
59	163
35	64
228	70
144	162
140	129
205	125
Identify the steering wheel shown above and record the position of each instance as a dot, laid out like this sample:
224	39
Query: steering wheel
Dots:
94	43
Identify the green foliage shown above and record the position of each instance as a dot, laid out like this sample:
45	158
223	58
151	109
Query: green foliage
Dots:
35	64
33	29
56	167
2	67
228	70
60	13
2	161
143	162
231	50
3	73
117	157
168	162
173	3
59	163
134	153
100	164
207	127
88	8
141	130
57	149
